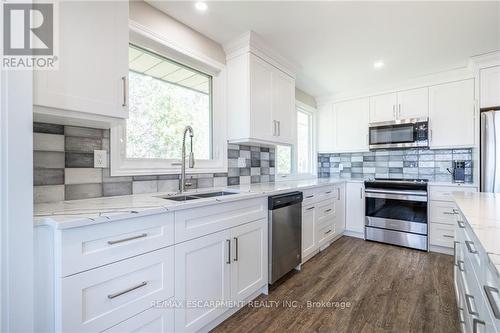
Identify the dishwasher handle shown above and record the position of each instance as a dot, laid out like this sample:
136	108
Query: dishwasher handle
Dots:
284	200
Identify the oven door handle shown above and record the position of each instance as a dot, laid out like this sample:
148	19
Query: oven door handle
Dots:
423	193
404	197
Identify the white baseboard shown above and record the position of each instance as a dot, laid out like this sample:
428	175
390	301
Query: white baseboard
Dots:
354	234
441	249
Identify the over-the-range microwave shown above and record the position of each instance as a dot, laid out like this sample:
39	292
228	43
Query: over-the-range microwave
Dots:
405	133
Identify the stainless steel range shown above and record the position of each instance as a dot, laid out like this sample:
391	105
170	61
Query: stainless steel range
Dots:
396	212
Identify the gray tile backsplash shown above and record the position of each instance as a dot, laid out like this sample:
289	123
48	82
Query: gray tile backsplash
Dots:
405	163
64	167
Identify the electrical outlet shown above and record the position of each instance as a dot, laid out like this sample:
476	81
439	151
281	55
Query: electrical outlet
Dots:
100	159
242	162
341	167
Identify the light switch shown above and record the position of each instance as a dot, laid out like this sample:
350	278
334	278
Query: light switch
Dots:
100	159
341	167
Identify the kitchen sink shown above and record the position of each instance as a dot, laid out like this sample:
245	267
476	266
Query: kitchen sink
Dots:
214	194
197	196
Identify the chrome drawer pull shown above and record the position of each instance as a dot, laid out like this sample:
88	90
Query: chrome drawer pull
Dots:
475	323
236	248
127	239
491	299
310	208
310	196
469	299
448	213
471	247
461	224
448	236
460	265
329	230
228	241
328	192
328	210
140	285
455	251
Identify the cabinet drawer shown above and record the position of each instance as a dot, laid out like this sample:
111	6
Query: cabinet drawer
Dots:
443	193
93	246
318	194
309	196
325	208
442	235
154	320
100	298
325	233
197	222
443	212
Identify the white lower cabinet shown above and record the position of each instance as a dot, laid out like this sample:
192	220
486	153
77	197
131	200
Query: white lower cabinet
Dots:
323	218
154	320
229	265
97	299
355	208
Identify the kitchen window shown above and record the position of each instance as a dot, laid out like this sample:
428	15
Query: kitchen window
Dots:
164	96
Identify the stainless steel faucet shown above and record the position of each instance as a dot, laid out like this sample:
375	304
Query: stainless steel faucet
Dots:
182	183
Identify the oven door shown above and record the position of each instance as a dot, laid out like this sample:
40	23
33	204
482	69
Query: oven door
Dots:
397	210
393	136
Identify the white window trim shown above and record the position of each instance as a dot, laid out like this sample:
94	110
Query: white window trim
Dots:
122	166
294	175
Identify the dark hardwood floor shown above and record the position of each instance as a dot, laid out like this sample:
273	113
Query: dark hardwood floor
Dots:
390	289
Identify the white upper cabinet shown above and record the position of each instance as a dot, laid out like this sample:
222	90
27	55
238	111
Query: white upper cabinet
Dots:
260	93
413	103
326	130
452	115
383	107
93	61
405	104
489	87
351	125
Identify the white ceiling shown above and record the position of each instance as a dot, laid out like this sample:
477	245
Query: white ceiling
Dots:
336	43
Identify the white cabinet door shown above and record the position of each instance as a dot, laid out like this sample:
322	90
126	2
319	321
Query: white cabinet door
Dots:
154	320
249	259
202	273
340	209
413	103
326	132
309	242
261	99
489	87
452	114
284	107
92	60
355	207
383	107
351	124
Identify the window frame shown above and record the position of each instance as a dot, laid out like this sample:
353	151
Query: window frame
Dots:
313	141
123	166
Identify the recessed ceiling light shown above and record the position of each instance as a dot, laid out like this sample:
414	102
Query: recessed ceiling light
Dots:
378	64
201	6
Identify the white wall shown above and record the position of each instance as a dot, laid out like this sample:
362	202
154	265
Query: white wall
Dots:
178	33
16	201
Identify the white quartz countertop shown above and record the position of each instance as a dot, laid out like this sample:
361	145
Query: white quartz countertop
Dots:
78	213
482	212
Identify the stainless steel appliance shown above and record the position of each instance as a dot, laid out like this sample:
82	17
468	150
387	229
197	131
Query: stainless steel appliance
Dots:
285	234
490	151
396	212
399	134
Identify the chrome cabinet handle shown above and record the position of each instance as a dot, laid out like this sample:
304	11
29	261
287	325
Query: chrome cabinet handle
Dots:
460	264
475	323
228	241
455	251
491	299
112	242
329	230
461	315
448	213
338	193
274	127
236	248
124	87
310	196
140	285
328	192
328	210
394	112
448	236
361	193
310	208
461	224
471	247
471	305
399	110
279	128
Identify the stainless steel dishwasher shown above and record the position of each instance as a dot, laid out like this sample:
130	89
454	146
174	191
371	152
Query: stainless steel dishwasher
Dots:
285	234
